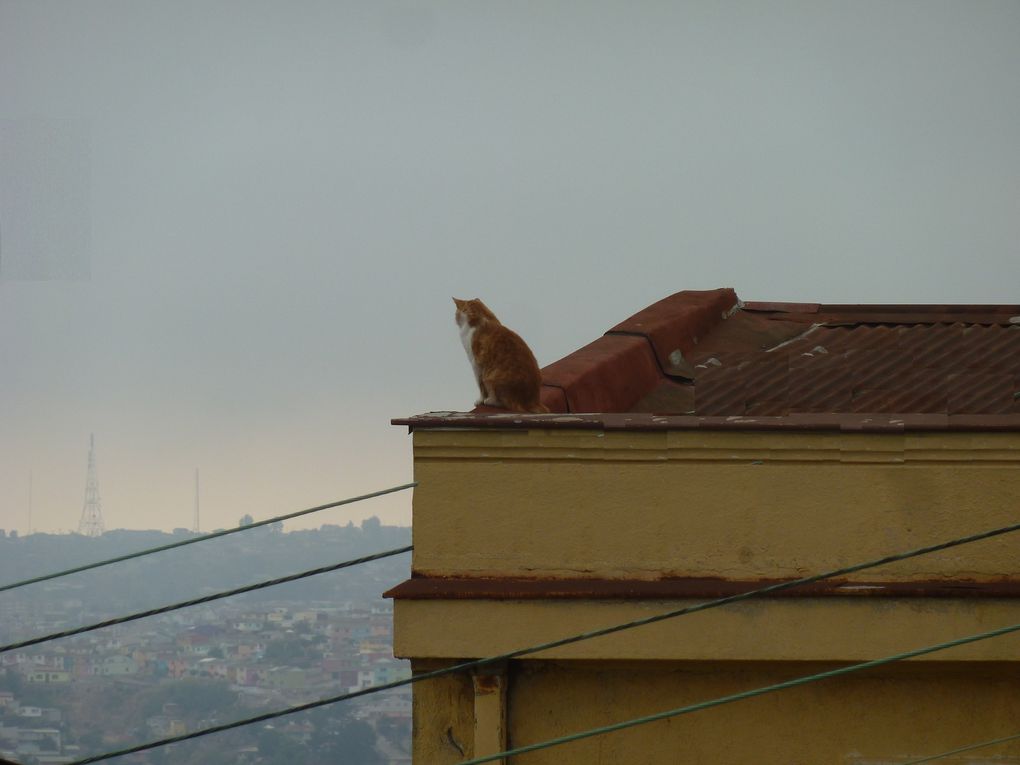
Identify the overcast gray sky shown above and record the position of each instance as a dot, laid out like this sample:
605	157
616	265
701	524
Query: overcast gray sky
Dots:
230	231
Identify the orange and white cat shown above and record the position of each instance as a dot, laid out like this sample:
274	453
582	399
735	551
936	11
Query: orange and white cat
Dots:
504	366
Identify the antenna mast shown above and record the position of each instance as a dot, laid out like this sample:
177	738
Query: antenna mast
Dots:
196	526
91	523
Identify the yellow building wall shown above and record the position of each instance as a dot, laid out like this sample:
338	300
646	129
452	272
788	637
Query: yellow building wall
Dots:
883	717
689	503
834	628
741	506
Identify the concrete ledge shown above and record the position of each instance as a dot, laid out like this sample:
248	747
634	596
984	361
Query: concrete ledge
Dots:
806	629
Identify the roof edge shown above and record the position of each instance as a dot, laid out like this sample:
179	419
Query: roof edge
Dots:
637	421
866	308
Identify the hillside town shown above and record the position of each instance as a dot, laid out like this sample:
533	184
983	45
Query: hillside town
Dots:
197	666
268	658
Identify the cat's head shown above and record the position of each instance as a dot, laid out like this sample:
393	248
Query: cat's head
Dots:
472	312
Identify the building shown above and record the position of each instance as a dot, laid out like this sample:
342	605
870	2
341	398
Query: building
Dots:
118	665
343	671
705	447
58	676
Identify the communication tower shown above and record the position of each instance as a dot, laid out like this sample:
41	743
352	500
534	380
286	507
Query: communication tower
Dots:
195	528
91	523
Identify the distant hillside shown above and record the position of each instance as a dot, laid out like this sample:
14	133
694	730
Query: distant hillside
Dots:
202	568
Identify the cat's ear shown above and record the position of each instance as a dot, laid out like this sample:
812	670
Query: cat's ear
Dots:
458	303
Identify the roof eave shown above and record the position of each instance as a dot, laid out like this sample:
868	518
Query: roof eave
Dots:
637	421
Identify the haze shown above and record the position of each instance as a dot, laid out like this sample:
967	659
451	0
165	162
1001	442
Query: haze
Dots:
230	231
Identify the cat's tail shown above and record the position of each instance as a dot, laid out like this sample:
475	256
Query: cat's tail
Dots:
539	409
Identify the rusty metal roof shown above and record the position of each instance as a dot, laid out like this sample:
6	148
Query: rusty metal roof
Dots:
704	359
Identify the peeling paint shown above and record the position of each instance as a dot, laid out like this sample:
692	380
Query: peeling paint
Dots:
452	741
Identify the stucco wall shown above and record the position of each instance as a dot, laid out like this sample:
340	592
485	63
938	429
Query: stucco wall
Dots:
739	506
735	505
835	628
878	718
882	718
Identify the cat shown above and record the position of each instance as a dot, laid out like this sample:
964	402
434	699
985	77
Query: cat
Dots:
504	366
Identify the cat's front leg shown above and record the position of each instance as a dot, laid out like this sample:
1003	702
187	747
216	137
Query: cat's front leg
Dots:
489	397
481	389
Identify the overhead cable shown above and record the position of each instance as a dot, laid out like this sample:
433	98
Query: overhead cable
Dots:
798	681
204	599
968	748
204	537
560	642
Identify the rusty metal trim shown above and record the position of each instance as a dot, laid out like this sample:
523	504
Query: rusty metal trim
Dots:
915	308
771	307
515	588
639	421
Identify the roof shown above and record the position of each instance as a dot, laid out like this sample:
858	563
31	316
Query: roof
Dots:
705	359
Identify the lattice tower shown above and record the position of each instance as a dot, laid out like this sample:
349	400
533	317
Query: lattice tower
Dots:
196	526
91	523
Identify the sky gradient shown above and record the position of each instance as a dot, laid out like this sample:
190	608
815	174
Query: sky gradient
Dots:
230	231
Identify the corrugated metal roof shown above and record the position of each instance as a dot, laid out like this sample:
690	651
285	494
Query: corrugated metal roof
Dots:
890	369
704	355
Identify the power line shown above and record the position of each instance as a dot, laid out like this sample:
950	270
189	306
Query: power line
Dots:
205	599
557	643
982	745
204	537
260	718
798	681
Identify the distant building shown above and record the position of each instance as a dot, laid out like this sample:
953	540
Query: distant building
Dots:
249	624
389	671
41	676
209	667
118	665
42	744
343	671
